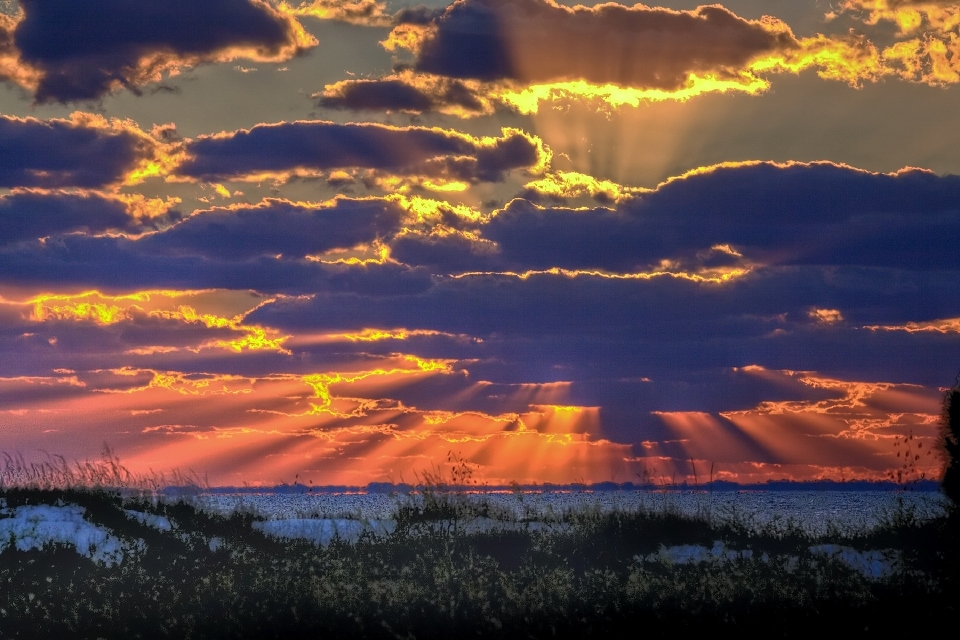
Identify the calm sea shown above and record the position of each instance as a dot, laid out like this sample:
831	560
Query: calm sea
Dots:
813	511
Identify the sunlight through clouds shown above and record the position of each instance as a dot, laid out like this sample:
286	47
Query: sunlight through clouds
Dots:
346	238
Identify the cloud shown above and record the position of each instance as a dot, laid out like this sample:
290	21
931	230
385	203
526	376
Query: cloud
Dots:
81	262
283	150
152	329
512	55
410	93
20	392
698	410
274	227
756	240
559	186
30	214
518	54
371	13
419	14
703	306
92	331
730	216
82	342
85	151
946	325
75	51
537	41
932	55
654	308
11	67
632	347
908	15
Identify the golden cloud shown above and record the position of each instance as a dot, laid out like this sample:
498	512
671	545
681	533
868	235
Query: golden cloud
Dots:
525	46
909	15
104	310
371	13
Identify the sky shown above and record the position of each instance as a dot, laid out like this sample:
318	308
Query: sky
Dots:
353	241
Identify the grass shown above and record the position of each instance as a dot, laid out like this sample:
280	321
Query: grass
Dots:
104	475
215	576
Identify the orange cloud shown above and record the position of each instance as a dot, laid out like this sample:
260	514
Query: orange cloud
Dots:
715	275
103	309
849	59
341	427
409	364
572	184
862	424
932	56
949	325
377	335
930	60
852	433
332	427
537	51
69	380
371	13
826	316
11	66
183	383
908	15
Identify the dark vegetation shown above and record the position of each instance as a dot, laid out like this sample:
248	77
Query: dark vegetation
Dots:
950	444
214	576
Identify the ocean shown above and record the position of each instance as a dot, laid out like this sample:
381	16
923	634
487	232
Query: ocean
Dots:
816	512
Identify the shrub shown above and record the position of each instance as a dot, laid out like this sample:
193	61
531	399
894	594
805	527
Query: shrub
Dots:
950	443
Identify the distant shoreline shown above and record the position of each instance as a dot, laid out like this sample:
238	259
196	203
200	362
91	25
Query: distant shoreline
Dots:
857	486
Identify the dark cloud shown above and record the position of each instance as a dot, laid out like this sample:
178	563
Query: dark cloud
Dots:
317	146
86	344
538	41
811	238
391	94
446	254
633	347
819	213
28	215
118	264
419	14
24	393
70	335
657	309
83	152
825	287
626	404
277	227
82	51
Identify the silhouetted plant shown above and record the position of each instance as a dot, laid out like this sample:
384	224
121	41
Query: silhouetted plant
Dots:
950	443
909	451
592	573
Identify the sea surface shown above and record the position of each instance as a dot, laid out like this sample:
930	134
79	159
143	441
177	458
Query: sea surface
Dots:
816	512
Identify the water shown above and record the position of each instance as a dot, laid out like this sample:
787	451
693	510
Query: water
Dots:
816	512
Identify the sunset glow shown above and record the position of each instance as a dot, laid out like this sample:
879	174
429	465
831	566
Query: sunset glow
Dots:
341	240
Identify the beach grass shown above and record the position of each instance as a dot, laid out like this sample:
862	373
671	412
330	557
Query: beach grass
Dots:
186	572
